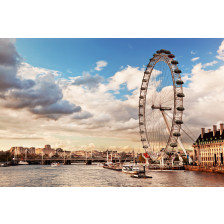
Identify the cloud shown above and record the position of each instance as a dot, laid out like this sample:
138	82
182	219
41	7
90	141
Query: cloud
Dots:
209	64
100	65
204	104
220	51
9	62
195	59
193	52
55	110
131	76
23	86
88	80
27	71
82	115
8	53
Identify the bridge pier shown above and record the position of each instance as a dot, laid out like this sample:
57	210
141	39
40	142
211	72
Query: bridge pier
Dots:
67	162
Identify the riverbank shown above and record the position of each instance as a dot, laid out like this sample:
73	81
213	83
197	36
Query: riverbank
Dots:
216	169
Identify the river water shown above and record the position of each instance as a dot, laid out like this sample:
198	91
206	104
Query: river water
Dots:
95	176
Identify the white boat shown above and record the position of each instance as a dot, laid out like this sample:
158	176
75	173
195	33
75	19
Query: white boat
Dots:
130	169
23	163
55	164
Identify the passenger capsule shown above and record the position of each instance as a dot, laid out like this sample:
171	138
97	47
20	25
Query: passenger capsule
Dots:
167	52
180	108
176	134
142	132
147	72
171	56
144	80
143	139
145	146
140	115
179	82
141	123
180	95
179	122
177	71
158	52
162	50
141	97
143	88
174	62
173	145
140	105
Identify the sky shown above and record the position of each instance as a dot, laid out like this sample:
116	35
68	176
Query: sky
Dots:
83	93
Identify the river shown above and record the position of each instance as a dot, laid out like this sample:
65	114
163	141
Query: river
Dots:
79	175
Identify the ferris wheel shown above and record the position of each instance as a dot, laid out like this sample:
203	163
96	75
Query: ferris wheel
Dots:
161	104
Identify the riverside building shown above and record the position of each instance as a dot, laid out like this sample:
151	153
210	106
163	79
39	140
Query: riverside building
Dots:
208	148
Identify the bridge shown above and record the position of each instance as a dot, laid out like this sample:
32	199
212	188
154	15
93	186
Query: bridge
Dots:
69	161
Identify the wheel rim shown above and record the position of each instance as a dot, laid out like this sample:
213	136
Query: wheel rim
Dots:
161	103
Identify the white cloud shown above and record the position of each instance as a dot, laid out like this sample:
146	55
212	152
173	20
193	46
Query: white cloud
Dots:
220	51
193	52
195	59
27	71
204	104
100	65
209	64
131	76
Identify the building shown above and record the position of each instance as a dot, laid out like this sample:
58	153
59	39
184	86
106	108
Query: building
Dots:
208	148
63	153
47	150
17	150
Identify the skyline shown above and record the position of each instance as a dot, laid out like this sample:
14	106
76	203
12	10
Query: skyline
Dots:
83	93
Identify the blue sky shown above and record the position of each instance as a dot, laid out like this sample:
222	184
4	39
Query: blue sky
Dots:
78	55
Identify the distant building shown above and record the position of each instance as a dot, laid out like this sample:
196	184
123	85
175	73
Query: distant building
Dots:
17	150
79	153
47	150
61	153
22	150
208	148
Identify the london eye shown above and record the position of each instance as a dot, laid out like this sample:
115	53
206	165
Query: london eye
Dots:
161	103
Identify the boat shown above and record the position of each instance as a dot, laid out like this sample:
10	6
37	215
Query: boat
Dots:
140	175
55	164
113	166
4	164
23	163
130	168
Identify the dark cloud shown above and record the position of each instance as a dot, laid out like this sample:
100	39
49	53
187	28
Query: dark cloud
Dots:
54	111
9	62
8	53
82	115
88	80
45	92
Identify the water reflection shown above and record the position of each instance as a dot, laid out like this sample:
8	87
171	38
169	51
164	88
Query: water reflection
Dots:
94	176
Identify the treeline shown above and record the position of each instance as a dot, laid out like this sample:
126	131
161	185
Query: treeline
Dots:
6	156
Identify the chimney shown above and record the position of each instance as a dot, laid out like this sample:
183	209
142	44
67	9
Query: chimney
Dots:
202	132
214	130
209	130
221	128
